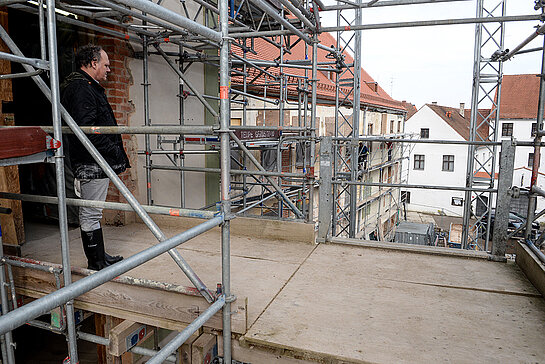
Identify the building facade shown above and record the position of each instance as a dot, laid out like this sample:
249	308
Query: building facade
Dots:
438	164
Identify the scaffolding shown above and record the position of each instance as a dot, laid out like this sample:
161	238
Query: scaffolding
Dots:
359	169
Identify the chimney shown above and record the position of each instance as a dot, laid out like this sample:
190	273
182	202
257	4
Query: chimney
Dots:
462	108
434	102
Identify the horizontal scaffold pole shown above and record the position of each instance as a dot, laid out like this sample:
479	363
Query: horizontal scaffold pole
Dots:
423	23
35	62
95	339
158	210
174	129
427	187
429	23
170	16
232	171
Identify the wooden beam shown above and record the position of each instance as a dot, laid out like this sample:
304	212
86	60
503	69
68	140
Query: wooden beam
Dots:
126	335
162	308
204	349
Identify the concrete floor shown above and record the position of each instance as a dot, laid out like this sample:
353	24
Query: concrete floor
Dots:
352	304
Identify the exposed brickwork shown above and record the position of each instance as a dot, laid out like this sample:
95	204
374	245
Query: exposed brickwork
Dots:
286	160
271	117
117	89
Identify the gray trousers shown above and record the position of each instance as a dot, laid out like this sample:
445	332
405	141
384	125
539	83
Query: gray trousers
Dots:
92	189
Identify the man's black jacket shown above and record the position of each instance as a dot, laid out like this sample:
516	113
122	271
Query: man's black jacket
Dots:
85	100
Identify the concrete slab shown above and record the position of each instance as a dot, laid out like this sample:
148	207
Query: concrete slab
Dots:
361	305
259	267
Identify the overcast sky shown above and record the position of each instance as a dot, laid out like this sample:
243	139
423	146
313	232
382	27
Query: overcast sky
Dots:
428	64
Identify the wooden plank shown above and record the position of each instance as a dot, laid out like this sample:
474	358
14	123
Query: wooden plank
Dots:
455	234
204	349
252	227
418	249
161	308
9	233
185	349
23	141
100	323
126	335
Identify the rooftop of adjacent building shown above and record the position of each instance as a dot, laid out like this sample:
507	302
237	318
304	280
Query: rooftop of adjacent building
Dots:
371	92
459	119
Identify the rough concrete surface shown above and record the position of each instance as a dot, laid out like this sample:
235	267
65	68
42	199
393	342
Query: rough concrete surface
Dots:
370	306
340	303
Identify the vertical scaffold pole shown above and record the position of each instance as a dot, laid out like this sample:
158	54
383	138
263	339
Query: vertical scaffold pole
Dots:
313	126
355	127
59	169
537	146
145	83
8	353
225	179
181	106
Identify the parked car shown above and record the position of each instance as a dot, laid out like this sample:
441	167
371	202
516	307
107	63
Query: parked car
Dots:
515	221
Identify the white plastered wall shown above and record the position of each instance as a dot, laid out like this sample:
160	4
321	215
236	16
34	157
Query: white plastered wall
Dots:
164	109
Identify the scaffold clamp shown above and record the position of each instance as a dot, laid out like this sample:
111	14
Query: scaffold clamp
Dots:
230	299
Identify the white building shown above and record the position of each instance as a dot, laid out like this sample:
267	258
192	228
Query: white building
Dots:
445	164
437	164
518	114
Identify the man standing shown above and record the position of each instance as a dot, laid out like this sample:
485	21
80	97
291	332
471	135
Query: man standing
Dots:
84	98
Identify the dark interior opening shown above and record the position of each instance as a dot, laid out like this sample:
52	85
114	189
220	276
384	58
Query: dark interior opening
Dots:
32	108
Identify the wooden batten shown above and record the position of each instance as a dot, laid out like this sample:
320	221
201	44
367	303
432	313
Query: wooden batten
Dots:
12	225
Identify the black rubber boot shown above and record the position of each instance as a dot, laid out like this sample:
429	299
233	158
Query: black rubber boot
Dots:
93	246
107	257
112	259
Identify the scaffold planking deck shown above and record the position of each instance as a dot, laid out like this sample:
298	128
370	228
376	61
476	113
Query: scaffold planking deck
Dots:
339	303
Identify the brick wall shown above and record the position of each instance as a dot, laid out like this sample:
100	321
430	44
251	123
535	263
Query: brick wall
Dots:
117	90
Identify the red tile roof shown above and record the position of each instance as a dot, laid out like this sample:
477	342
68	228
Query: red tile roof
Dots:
411	109
371	93
458	122
519	97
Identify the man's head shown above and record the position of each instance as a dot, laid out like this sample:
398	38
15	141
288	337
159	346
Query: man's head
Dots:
94	61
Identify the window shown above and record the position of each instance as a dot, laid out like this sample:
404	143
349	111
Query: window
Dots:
405	196
419	161
366	209
457	201
534	129
507	129
448	163
370	129
399	123
530	160
392	126
425	133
